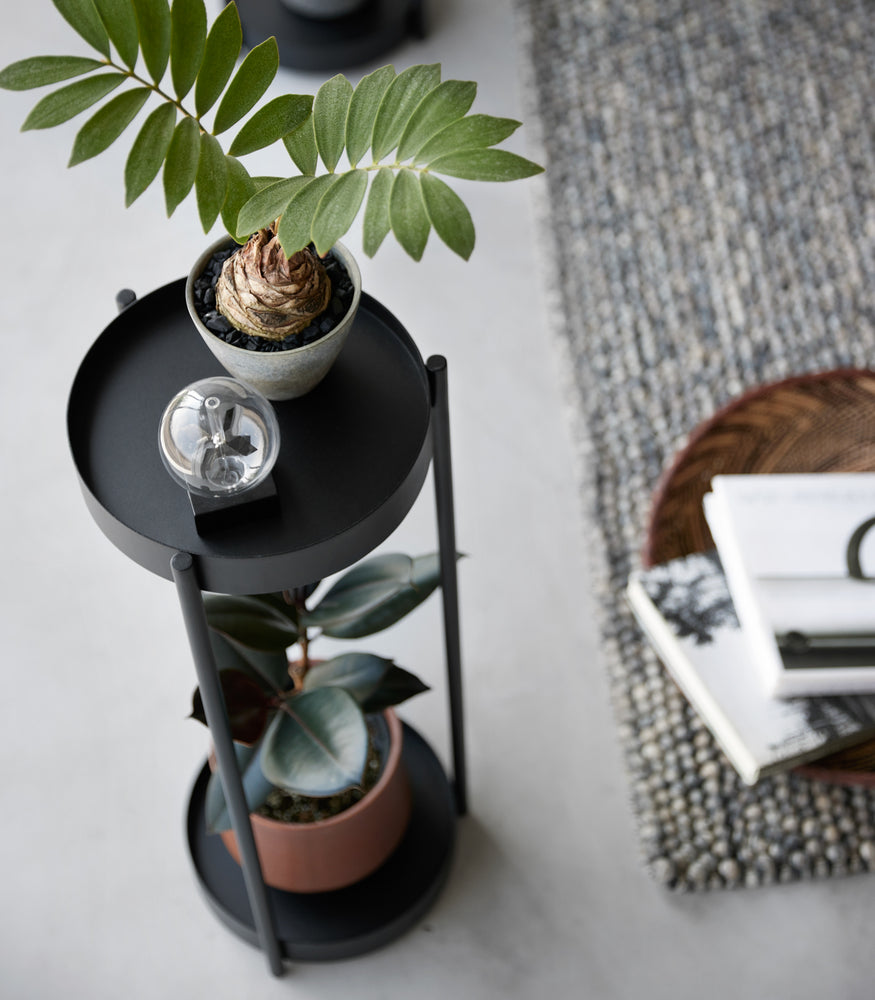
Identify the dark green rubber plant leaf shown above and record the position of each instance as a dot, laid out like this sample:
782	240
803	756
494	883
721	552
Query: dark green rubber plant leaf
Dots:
83	18
211	181
407	214
223	45
317	744
375	594
358	673
106	125
276	119
337	209
251	621
240	189
148	151
269	668
400	101
62	105
471	132
296	224
485	165
248	705
153	18
256	789
120	22
301	147
188	37
180	166
363	107
251	80
266	206
375	682
330	109
41	71
448	102
376	225
449	215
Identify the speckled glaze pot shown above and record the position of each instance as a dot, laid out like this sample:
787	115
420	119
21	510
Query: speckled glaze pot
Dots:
337	852
278	374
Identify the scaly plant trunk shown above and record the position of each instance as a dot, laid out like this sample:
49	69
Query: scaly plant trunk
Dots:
266	294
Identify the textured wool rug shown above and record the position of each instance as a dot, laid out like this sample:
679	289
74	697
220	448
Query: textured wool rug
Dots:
710	215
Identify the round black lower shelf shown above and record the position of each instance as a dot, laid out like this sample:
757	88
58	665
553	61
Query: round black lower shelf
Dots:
333	43
358	919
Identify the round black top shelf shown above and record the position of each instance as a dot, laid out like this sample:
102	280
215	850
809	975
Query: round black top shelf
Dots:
354	451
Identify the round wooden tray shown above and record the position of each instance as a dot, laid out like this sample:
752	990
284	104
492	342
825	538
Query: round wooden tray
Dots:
810	423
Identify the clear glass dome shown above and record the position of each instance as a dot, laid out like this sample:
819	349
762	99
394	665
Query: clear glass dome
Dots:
219	437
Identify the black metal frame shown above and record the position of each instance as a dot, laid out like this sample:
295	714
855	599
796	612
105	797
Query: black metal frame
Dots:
186	569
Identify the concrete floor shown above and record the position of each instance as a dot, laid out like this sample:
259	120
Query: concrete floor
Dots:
547	896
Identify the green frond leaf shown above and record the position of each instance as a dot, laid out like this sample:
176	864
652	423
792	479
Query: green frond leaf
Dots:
153	19
301	147
448	102
255	75
64	104
376	225
329	119
401	99
473	132
296	223
337	209
363	107
241	188
106	125
121	25
188	38
276	119
40	71
448	214
180	166
83	18
211	181
407	213
485	165
148	151
224	42
266	206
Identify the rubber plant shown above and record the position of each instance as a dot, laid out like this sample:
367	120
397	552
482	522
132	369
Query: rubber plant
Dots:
300	725
414	125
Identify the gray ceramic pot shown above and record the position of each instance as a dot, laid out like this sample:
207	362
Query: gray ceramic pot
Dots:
279	374
324	9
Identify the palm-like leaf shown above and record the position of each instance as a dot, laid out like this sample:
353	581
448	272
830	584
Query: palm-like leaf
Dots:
413	115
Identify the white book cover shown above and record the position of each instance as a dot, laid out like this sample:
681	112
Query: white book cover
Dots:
796	549
685	610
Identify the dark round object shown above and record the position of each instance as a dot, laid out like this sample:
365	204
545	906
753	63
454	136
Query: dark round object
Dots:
358	919
334	43
353	457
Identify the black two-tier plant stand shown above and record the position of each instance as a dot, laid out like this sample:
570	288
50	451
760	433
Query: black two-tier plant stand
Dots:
354	455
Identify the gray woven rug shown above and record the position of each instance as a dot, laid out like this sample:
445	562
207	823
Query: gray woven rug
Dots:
710	221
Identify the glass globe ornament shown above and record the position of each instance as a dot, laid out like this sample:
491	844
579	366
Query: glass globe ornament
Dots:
219	438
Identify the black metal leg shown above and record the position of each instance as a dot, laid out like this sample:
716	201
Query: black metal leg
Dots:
191	602
443	486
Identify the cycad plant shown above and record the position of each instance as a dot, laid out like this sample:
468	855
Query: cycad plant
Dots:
414	125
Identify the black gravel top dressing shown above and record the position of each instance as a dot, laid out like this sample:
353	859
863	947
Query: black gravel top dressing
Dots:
325	322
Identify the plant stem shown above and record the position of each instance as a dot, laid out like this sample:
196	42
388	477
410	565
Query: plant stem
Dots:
155	89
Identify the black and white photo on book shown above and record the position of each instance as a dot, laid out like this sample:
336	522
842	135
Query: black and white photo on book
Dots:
685	610
799	555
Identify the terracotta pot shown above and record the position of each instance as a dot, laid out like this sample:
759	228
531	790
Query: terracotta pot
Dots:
337	852
278	374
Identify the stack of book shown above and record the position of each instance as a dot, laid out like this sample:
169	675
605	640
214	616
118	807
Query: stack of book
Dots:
771	636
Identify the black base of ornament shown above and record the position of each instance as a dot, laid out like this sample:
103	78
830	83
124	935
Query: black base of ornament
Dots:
220	513
335	43
363	917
